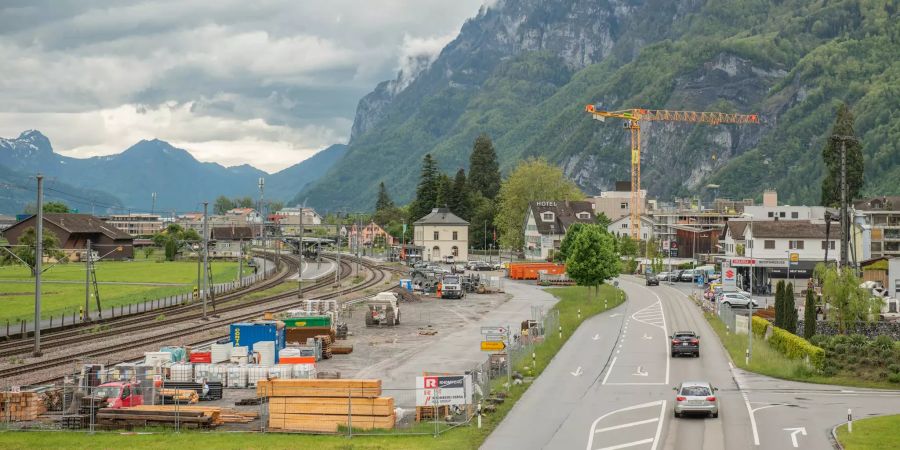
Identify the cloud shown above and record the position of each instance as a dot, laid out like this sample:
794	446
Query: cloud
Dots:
218	76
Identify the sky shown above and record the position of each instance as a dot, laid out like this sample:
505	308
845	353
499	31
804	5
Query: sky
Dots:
262	82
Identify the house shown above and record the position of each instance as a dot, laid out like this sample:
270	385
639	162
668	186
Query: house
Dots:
622	227
243	216
137	224
546	223
879	219
369	235
310	216
74	231
227	241
617	203
442	234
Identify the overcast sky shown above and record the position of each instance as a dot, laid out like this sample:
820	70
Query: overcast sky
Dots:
264	82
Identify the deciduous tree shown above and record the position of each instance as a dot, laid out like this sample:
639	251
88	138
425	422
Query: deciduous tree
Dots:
27	245
592	257
222	204
848	303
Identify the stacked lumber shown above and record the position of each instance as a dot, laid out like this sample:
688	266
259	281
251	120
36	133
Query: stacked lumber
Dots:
322	406
215	388
218	415
179	396
342	349
326	341
127	417
299	335
18	406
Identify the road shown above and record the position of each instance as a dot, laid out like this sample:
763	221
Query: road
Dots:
610	387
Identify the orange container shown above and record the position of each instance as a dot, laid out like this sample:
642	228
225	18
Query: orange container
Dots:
529	271
297	360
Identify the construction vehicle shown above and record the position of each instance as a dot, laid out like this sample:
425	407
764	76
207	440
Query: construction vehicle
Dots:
452	287
634	116
384	310
118	394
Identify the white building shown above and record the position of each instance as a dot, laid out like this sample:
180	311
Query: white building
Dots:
310	216
137	224
622	227
546	224
441	233
786	212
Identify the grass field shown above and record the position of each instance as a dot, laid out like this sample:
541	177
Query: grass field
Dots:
874	433
467	437
17	286
768	361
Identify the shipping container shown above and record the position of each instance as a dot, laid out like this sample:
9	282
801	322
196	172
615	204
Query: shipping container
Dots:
307	321
530	271
247	334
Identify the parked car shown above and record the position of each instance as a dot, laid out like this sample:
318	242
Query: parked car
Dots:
676	275
652	280
688	275
696	397
685	342
471	265
663	276
736	300
482	266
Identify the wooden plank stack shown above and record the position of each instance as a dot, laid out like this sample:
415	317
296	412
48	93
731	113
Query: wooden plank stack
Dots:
17	406
326	340
322	406
342	349
171	396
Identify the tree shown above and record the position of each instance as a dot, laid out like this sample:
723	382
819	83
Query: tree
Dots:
592	257
789	310
384	200
460	200
809	314
222	205
26	247
427	190
49	207
484	171
831	184
481	223
444	191
847	302
602	220
148	252
563	252
243	202
627	246
532	180
276	206
654	255
779	304
171	249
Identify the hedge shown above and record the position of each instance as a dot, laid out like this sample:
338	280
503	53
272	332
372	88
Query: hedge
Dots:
789	344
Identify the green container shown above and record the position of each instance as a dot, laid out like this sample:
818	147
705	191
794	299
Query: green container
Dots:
307	321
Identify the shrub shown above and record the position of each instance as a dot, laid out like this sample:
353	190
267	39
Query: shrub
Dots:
894	378
883	342
894	368
796	347
820	340
858	340
759	326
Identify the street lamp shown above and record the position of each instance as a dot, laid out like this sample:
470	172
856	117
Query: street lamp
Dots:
750	303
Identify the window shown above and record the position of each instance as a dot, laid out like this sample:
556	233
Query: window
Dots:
795	215
781	214
437	235
795	245
623	205
624	225
876	246
455	237
583	215
825	245
547	217
455	249
769	244
771	214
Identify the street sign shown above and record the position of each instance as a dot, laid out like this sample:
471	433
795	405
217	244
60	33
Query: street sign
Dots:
495	337
673	252
494	330
492	346
759	262
729	276
795	259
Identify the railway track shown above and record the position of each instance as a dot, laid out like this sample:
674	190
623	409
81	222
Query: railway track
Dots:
173	314
324	281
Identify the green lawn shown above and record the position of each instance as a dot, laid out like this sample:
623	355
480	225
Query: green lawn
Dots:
17	299
466	437
768	361
874	433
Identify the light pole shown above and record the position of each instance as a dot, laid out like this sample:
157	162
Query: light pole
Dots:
750	303
300	268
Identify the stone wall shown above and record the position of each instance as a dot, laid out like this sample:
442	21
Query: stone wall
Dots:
870	330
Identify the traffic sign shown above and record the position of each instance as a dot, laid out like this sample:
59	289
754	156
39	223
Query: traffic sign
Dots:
795	259
492	346
494	330
495	337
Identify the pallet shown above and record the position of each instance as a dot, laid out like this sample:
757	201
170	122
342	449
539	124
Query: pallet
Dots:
428	412
21	406
127	417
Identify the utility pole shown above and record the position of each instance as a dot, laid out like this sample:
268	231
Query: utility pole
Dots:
337	272
153	207
240	261
262	188
300	267
87	282
358	236
38	259
845	223
205	257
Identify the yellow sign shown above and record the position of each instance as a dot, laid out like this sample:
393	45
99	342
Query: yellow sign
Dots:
492	346
795	257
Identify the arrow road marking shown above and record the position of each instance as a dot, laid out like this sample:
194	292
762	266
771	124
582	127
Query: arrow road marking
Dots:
596	337
794	431
577	372
641	372
615	315
648	337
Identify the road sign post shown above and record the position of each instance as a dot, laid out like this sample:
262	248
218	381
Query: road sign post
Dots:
493	346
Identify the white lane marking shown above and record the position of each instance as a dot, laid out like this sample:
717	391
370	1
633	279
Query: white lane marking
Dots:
609	370
658	308
648	337
577	372
640	372
596	336
628	444
655	440
626	425
730	365
615	315
634	384
794	431
752	418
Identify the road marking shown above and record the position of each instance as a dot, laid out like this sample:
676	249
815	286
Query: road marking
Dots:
627	425
615	315
577	372
614	383
640	372
596	336
657	309
648	337
654	440
730	365
628	444
794	431
609	370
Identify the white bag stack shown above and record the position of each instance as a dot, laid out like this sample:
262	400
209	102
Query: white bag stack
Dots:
221	352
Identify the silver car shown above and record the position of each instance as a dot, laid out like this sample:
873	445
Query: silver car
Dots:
736	300
696	397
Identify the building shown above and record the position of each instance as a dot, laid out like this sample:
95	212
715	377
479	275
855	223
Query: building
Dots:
310	216
546	223
622	227
691	233
137	224
227	241
786	212
879	219
617	203
441	233
74	231
369	235
243	216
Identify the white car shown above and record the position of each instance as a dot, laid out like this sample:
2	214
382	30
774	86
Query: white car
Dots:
737	300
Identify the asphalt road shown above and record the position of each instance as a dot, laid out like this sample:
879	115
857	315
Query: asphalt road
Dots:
610	387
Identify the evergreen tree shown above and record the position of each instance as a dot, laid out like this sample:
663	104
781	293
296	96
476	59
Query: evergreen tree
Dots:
831	184
444	191
427	191
460	202
809	314
779	304
789	309
384	201
484	171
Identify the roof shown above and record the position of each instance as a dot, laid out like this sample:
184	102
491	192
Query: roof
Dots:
883	203
789	229
736	228
564	215
241	211
81	223
441	216
231	233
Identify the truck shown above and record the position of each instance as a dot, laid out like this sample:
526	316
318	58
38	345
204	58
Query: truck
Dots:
384	310
118	394
452	287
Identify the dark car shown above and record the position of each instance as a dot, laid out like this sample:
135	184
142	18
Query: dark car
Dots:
483	266
685	342
652	280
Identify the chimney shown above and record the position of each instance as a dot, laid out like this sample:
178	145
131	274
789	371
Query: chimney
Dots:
770	198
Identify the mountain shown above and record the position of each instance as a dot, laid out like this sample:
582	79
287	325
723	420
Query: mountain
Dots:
522	72
180	181
18	190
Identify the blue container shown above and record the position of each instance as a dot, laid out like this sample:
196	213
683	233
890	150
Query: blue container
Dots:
247	334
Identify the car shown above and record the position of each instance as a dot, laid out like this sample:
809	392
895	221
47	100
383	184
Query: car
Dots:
663	276
652	280
737	300
471	265
676	275
688	275
685	342
482	266
696	397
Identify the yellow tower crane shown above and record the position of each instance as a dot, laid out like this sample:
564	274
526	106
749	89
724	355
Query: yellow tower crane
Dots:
634	116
